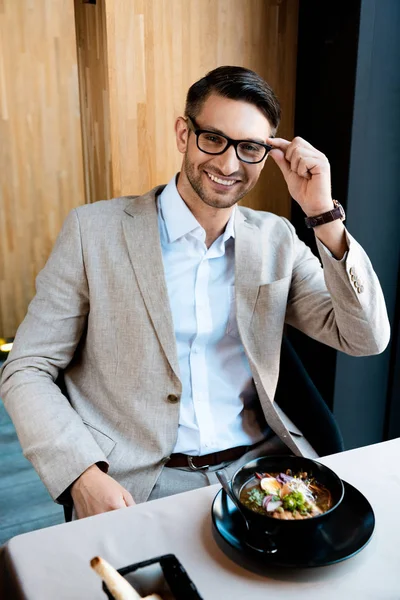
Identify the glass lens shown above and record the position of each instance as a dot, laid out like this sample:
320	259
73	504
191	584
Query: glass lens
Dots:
251	151
212	142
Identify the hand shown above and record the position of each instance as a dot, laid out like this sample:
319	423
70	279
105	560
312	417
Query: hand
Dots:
95	492
307	174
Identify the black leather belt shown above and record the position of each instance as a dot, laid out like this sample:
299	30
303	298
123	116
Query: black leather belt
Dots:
206	460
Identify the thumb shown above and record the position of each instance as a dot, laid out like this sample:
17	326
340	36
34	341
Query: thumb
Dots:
129	501
279	158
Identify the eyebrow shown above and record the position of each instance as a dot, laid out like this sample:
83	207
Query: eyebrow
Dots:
216	130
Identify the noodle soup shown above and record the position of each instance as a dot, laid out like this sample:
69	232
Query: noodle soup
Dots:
286	495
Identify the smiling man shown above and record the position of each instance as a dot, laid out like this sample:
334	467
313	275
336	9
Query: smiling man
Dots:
164	313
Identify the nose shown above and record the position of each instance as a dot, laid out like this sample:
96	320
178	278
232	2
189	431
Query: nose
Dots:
228	163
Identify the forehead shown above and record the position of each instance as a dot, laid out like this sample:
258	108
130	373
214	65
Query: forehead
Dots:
235	118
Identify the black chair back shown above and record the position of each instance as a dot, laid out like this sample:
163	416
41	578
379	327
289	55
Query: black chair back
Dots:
299	398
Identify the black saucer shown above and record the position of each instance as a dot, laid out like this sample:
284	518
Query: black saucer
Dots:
347	532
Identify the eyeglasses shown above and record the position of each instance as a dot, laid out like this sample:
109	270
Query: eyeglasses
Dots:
211	142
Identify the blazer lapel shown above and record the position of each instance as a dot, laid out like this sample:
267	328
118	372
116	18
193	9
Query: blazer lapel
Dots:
248	265
144	247
248	256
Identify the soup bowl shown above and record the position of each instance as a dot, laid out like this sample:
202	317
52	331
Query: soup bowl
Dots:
265	523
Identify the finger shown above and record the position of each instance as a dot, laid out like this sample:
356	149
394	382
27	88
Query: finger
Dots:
294	160
279	157
115	502
302	169
278	143
314	165
298	149
299	143
298	155
129	501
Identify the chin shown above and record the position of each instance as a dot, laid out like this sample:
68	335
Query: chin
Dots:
220	202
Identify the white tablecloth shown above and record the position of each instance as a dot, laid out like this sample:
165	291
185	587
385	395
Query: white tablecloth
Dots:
53	563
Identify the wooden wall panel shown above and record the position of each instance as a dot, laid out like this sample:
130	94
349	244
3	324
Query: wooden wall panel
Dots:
157	48
40	143
94	95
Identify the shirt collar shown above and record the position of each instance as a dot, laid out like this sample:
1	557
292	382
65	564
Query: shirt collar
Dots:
179	219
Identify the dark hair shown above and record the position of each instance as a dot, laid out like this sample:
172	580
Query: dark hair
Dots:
236	83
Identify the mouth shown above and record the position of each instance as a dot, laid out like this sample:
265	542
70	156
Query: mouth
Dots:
222	183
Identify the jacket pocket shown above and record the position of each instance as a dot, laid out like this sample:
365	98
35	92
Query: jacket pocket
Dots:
275	290
105	443
270	309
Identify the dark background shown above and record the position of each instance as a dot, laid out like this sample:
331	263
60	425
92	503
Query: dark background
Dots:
348	106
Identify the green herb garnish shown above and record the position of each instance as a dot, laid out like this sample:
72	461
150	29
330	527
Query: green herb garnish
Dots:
296	501
256	497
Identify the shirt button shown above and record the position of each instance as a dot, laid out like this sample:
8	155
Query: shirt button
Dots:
173	398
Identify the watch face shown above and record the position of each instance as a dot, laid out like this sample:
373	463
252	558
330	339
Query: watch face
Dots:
341	209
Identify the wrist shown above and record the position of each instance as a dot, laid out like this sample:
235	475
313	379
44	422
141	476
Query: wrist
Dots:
83	477
322	208
333	237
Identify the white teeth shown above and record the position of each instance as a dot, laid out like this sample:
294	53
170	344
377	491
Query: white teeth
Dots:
222	181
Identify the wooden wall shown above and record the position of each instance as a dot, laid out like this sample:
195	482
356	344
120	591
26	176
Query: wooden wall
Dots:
137	59
40	143
94	87
153	51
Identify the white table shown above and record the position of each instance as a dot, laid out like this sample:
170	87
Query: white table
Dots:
53	563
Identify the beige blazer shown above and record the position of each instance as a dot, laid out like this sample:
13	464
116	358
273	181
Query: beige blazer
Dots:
101	314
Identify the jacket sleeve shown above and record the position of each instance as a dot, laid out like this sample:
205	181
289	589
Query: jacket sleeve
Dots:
341	304
52	434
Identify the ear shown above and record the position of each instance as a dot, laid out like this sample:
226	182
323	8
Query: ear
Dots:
182	134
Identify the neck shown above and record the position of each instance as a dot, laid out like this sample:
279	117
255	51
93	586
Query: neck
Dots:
213	220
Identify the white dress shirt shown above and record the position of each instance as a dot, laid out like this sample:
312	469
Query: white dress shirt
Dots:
219	406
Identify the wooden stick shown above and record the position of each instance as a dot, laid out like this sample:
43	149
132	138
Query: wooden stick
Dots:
118	586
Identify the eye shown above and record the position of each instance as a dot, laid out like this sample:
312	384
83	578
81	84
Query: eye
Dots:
250	148
215	139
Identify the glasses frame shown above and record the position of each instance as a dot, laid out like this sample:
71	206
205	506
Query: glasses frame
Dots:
197	131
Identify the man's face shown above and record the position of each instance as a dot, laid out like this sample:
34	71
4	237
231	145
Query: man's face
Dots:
237	120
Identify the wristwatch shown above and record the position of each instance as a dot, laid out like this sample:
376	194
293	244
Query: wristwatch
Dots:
331	215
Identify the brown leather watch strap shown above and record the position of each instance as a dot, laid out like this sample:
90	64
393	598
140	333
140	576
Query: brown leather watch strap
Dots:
331	215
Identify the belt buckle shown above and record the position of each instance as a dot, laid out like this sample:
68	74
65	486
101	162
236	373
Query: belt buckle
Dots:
193	466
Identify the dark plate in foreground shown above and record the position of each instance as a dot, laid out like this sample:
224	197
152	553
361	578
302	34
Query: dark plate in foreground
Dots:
347	532
164	575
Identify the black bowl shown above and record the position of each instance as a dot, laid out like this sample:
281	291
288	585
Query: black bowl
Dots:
278	464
